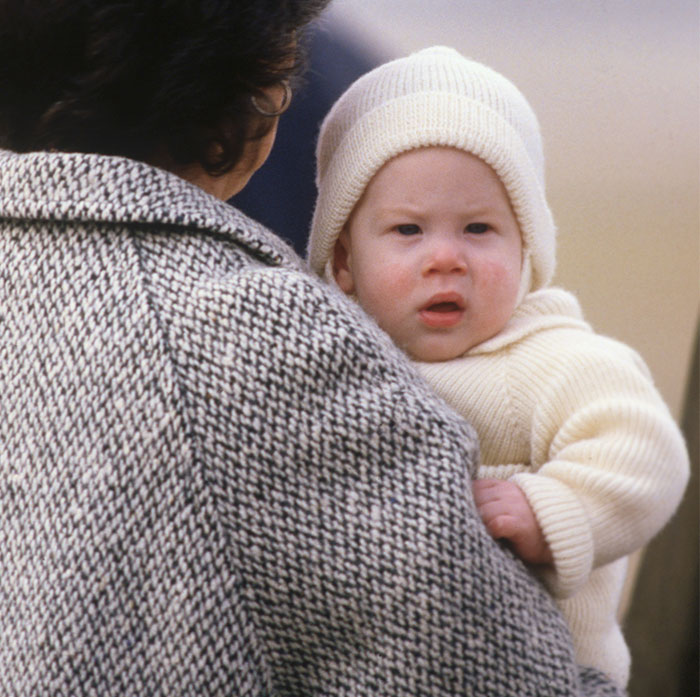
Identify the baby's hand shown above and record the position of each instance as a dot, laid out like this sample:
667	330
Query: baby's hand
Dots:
507	515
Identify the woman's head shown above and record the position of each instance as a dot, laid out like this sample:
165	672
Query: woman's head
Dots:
164	80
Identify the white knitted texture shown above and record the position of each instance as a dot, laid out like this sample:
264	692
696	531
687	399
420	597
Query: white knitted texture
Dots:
432	98
574	420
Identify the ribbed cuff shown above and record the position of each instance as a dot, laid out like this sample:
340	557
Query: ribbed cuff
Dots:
566	528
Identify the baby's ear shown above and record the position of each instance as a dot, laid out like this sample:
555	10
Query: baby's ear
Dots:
342	263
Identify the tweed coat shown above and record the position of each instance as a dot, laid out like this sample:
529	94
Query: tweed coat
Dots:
218	478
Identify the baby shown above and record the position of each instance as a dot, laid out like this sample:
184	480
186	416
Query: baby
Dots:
431	214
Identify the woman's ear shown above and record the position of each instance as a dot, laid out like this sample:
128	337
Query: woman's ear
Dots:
342	263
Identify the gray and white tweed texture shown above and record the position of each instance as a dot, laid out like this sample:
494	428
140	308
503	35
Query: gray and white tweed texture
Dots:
217	478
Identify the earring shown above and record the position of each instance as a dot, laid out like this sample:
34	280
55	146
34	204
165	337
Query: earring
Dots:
286	101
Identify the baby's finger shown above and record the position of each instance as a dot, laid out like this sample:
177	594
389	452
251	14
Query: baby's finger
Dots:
485	490
502	526
490	510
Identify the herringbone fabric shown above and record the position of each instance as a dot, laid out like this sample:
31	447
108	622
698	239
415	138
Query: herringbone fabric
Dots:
217	478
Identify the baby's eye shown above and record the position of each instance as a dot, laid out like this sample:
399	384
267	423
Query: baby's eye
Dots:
408	229
478	228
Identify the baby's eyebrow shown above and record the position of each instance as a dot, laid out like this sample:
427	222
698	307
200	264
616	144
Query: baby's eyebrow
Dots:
479	209
417	211
401	209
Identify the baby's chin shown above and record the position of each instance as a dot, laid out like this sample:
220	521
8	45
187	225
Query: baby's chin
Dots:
436	351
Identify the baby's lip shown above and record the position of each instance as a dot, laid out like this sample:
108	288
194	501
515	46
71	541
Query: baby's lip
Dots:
444	302
443	310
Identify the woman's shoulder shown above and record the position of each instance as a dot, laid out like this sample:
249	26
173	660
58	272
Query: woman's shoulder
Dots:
105	192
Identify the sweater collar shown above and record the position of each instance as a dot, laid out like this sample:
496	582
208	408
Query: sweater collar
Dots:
104	189
548	308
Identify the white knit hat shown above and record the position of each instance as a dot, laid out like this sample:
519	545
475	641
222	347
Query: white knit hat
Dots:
434	97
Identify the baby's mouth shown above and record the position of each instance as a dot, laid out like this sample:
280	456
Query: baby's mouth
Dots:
442	312
444	307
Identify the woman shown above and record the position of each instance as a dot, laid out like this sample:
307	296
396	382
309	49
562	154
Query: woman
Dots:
208	484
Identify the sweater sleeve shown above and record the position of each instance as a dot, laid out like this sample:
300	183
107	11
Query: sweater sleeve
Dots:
609	463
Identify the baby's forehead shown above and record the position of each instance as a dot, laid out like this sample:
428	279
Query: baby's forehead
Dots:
417	174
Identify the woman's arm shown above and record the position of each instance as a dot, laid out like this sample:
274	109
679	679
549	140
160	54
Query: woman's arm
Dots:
343	485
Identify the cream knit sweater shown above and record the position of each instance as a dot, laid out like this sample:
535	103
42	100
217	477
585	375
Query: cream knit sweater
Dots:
574	419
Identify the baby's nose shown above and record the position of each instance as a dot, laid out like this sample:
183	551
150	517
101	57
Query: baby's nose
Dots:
445	256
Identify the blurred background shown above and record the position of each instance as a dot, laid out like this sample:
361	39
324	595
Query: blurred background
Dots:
616	87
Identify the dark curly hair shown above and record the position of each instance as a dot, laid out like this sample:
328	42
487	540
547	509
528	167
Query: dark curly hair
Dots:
130	77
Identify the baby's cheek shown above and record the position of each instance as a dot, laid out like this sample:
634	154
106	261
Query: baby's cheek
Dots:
386	296
390	281
501	277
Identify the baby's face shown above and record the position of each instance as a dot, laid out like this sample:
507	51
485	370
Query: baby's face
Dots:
433	252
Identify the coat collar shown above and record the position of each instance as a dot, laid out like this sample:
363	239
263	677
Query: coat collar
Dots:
103	189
